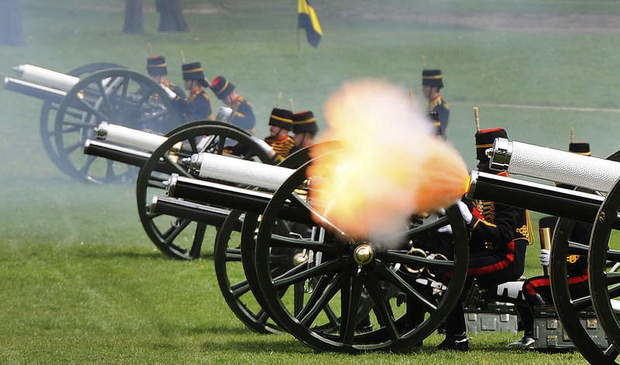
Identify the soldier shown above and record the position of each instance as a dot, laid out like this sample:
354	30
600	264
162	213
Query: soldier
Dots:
242	114
157	69
438	109
281	122
197	105
304	129
499	237
537	290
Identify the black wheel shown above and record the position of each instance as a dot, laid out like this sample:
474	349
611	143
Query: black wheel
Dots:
340	294
49	109
604	253
234	256
117	96
181	237
568	304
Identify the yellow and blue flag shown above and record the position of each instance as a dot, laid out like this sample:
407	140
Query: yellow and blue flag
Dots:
308	20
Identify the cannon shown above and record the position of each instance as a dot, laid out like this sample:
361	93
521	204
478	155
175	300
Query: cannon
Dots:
312	280
159	155
594	201
75	103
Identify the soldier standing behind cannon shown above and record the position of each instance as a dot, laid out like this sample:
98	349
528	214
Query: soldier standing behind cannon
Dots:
438	109
242	113
537	289
304	129
197	106
281	122
499	237
157	68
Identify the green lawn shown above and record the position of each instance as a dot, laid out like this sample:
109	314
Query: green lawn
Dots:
79	281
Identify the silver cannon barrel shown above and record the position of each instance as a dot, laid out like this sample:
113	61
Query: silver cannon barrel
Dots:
34	90
238	171
47	78
553	165
133	138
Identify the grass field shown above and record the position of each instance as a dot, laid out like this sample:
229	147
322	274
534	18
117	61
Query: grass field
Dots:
79	281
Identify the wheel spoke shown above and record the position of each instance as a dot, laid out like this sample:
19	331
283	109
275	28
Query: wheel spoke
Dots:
611	352
240	288
92	110
579	247
109	170
290	242
403	258
87	164
178	228
350	295
322	218
233	254
104	96
298	298
262	316
73	147
380	308
394	278
322	293
613	255
198	238
582	302
298	273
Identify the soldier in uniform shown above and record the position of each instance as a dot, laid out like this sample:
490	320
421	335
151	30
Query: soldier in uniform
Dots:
242	113
281	122
498	239
196	106
438	109
537	289
157	69
304	129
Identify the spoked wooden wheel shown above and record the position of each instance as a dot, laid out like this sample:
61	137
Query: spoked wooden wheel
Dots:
182	237
373	291
117	96
234	256
47	117
568	304
603	253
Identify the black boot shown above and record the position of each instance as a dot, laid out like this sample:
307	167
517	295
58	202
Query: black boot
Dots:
455	343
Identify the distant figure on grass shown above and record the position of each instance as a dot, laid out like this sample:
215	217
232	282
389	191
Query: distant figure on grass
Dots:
438	109
197	105
241	111
281	122
305	129
157	68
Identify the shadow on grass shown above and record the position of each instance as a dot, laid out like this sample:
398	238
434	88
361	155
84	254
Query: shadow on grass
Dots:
154	255
289	346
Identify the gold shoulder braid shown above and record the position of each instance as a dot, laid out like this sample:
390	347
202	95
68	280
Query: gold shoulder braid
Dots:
571	259
487	209
526	230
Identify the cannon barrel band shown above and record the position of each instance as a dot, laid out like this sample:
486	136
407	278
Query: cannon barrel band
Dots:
534	196
554	165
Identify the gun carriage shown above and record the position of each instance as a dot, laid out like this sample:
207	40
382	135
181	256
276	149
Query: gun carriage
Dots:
75	103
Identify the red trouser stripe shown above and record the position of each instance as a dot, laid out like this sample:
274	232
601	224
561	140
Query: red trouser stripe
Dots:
500	265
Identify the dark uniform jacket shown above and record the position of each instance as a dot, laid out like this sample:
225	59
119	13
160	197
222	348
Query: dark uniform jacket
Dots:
281	146
576	264
196	106
439	113
243	115
496	225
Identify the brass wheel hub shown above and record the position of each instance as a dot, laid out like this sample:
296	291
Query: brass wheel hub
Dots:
363	254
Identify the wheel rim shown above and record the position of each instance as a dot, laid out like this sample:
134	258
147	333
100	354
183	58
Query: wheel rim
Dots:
250	309
47	116
567	306
357	283
119	96
165	231
604	284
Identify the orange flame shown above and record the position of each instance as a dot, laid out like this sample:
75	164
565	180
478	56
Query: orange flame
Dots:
389	167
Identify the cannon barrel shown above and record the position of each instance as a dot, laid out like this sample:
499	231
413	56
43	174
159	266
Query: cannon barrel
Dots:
34	90
534	196
230	197
238	171
133	138
122	154
48	78
553	165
